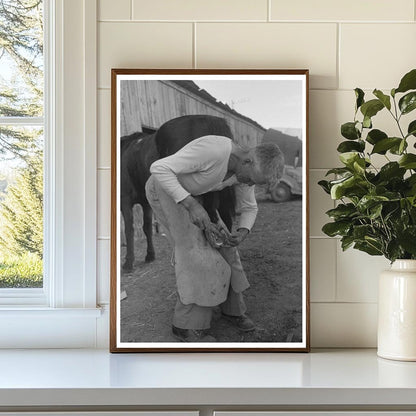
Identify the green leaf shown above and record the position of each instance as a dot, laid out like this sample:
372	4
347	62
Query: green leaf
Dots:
385	99
411	130
325	186
359	165
408	82
333	229
349	131
408	161
408	102
348	158
371	108
391	170
383	145
367	122
402	147
375	212
368	248
349	146
338	171
398	149
338	189
369	201
346	242
361	231
359	94
407	240
375	136
342	211
393	250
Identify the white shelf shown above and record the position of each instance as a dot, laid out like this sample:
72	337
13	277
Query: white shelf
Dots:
57	378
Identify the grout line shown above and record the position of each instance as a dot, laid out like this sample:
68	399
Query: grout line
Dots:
269	10
310	89
190	21
194	63
308	22
414	9
338	63
344	303
131	9
323	237
319	169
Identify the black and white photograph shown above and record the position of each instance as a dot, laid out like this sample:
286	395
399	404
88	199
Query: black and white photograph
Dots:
209	233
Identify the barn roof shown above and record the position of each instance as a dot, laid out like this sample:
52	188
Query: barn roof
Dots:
192	87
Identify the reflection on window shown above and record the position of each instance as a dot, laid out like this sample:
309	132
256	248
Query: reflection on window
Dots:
21	143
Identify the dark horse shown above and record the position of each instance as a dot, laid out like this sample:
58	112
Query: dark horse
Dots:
139	151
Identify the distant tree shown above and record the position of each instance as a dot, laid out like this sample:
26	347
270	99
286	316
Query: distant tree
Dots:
21	213
21	85
21	95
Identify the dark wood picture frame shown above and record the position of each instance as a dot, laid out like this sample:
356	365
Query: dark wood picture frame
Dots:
120	110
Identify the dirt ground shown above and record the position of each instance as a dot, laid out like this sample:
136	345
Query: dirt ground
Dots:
272	259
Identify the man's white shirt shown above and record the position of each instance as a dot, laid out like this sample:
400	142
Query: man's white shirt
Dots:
200	167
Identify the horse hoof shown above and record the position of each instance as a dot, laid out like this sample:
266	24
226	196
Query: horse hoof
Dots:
149	258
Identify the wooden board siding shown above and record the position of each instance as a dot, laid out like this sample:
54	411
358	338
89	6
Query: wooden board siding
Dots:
151	103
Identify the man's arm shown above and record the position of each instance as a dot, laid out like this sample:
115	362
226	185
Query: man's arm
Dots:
194	157
197	213
247	208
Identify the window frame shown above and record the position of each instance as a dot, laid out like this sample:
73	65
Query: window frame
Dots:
67	304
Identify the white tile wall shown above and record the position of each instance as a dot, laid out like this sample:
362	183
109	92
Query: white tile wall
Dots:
370	10
319	203
270	45
103	271
338	325
387	52
104	128
323	269
345	44
357	275
200	10
142	45
104	202
114	10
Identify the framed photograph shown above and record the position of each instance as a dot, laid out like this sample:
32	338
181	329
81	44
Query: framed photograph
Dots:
209	214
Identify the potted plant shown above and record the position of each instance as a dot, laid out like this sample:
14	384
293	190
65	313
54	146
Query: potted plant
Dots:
376	209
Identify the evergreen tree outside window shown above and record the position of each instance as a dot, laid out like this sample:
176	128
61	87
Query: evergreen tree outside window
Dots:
21	143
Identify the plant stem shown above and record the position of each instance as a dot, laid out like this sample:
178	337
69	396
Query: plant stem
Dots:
397	118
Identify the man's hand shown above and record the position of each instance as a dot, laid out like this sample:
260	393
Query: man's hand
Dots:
238	237
197	213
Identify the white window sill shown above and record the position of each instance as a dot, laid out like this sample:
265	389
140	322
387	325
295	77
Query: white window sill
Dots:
331	379
40	327
36	312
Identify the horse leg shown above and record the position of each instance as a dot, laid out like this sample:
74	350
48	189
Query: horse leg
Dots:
127	211
148	232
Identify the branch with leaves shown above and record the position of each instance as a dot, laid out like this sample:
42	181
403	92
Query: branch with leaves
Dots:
376	210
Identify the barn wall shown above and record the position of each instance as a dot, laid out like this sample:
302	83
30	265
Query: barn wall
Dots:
152	103
345	44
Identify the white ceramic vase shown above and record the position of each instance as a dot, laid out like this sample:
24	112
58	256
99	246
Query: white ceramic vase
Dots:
397	312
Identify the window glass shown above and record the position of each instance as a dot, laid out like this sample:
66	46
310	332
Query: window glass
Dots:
21	143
